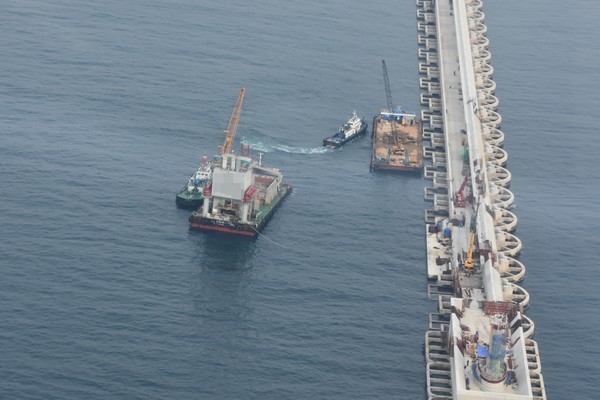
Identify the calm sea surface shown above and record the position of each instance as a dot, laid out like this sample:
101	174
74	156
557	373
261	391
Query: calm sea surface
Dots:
106	109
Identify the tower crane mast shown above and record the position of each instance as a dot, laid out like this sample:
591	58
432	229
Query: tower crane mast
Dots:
233	124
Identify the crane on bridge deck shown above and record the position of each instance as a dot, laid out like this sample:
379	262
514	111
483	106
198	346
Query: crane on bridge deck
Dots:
233	124
470	262
460	199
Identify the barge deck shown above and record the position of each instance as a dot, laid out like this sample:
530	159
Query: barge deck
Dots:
398	147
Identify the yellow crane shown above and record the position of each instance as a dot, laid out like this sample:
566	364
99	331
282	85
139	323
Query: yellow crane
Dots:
469	262
233	124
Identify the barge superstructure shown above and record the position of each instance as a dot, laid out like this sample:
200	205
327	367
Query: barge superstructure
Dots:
242	196
479	344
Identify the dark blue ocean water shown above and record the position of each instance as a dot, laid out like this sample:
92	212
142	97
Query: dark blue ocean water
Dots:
106	109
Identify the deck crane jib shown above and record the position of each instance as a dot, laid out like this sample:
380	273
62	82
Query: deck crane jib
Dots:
230	132
390	105
388	91
399	139
233	124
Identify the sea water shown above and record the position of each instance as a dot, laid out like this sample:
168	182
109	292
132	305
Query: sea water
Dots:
107	108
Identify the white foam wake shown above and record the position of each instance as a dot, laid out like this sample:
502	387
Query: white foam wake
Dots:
267	148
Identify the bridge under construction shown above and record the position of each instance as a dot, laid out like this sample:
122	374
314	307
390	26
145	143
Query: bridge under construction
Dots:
479	344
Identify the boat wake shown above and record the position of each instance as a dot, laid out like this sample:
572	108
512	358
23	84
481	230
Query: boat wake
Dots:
268	148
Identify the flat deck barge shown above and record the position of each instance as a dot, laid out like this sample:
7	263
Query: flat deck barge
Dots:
398	147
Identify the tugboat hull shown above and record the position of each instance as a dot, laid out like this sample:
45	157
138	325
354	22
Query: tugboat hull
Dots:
331	142
188	203
337	142
189	200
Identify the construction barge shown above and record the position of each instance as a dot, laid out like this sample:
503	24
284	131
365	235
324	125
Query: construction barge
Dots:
241	195
397	142
397	137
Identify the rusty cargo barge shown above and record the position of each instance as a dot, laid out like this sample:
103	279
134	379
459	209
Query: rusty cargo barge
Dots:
397	142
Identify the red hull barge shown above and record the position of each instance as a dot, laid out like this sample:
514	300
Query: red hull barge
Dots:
201	227
250	229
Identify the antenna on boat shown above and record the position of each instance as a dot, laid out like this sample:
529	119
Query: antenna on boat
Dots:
260	154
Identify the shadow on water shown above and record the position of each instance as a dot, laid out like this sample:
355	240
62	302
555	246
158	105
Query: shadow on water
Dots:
223	251
224	271
412	175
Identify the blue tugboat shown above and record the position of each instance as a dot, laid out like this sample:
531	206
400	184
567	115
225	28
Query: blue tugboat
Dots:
352	129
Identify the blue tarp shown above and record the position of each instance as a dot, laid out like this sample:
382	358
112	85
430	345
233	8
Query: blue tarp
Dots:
482	351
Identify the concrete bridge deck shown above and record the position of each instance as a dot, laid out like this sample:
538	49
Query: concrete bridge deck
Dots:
462	125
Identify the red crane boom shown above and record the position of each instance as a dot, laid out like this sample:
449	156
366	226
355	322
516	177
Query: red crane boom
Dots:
460	199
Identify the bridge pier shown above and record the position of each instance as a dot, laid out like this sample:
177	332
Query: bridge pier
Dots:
471	247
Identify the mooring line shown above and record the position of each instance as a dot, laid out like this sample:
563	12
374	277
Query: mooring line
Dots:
270	240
